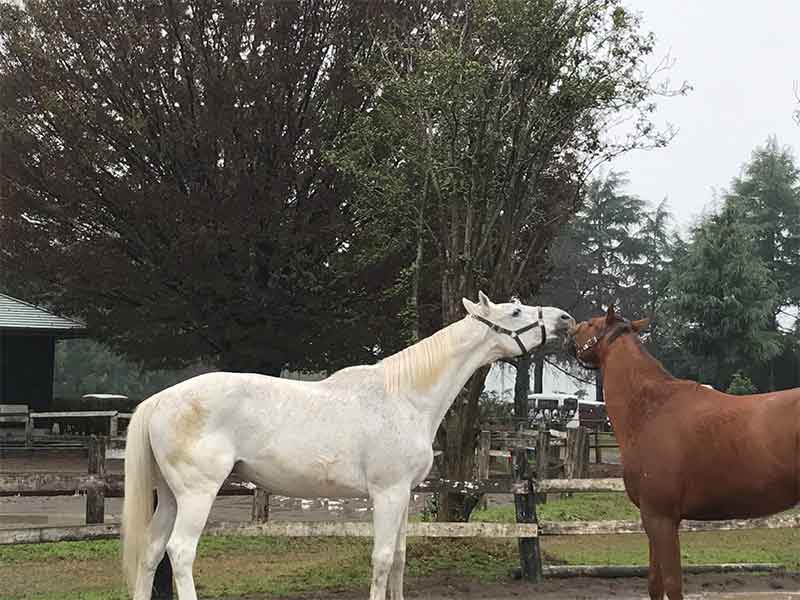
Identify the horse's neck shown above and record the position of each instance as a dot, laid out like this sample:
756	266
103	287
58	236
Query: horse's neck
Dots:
629	375
469	352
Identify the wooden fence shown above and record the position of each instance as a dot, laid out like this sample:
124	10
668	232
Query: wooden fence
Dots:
19	413
527	490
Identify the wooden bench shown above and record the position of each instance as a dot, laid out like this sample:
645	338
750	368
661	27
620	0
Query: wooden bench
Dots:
112	415
17	413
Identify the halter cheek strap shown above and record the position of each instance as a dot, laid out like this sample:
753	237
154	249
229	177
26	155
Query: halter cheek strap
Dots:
612	333
516	333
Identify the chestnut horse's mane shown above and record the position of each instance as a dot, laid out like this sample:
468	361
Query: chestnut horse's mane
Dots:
646	355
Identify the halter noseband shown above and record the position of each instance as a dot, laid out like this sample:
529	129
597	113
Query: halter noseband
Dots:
515	333
613	332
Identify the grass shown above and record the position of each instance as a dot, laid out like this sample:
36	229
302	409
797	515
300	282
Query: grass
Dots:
231	566
778	545
580	507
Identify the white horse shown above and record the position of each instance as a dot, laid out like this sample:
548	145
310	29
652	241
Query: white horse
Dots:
363	431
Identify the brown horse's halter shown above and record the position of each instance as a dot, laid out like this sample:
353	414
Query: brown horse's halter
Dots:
613	332
515	333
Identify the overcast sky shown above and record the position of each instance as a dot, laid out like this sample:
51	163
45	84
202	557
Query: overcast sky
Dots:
743	60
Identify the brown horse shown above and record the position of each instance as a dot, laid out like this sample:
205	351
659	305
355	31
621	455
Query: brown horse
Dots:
688	451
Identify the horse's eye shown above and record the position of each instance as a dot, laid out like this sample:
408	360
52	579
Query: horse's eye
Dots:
516	312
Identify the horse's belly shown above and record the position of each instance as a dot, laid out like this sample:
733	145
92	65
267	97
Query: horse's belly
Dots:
747	499
319	478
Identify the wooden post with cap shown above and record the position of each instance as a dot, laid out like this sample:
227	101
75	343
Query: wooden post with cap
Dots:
530	556
96	494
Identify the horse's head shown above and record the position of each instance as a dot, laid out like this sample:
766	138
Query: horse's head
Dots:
589	340
518	328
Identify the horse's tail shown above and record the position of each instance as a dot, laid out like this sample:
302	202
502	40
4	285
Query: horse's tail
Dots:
137	506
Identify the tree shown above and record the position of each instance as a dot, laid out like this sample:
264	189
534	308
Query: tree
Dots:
595	260
741	385
480	144
614	251
768	195
726	291
86	366
650	271
165	174
666	339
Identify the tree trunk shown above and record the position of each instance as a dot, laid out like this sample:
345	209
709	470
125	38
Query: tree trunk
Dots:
538	374
522	387
598	383
415	289
771	380
458	437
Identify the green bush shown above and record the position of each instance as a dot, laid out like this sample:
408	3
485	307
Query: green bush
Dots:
741	385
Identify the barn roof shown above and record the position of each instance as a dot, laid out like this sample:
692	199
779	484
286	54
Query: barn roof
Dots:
21	317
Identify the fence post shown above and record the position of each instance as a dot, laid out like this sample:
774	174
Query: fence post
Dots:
113	426
598	451
530	556
29	431
162	581
260	512
542	459
584	472
96	494
577	443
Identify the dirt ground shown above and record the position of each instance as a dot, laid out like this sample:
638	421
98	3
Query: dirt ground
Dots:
709	586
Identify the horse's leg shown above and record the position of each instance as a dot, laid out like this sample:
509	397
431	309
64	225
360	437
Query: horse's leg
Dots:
158	533
655	582
195	482
665	550
390	508
399	564
193	508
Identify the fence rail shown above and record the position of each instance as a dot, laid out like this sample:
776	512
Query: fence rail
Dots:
29	535
112	484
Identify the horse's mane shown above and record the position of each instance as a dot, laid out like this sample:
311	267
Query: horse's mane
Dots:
418	366
655	364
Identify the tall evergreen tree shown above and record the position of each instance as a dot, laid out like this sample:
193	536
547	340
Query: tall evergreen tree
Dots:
613	251
650	271
768	196
726	292
606	235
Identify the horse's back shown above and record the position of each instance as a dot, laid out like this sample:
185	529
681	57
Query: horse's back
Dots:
294	437
238	402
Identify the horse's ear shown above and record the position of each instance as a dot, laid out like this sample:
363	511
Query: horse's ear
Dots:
472	308
640	325
480	309
611	315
